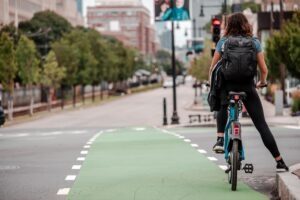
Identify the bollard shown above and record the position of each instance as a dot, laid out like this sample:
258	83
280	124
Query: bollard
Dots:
165	119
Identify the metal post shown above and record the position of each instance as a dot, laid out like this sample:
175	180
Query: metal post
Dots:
225	12
175	118
194	28
165	119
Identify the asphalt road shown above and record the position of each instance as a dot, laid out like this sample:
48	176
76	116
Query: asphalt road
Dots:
36	156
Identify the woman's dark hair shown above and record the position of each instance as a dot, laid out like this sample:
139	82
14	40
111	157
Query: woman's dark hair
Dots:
238	25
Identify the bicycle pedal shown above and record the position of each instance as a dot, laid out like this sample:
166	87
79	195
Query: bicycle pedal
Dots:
248	168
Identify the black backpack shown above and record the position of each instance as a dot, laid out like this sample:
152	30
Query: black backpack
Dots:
239	59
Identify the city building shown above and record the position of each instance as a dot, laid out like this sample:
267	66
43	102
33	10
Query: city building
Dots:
127	20
20	10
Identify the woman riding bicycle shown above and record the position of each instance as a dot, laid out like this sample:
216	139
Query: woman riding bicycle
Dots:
238	26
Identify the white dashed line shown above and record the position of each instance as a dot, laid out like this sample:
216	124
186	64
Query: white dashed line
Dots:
84	152
187	140
63	191
87	146
194	145
80	159
180	137
89	143
76	167
139	129
70	178
202	151
79	132
223	167
110	130
212	158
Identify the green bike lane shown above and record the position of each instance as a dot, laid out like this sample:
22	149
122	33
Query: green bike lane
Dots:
148	164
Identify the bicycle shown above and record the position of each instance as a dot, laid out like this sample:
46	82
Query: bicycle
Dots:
233	147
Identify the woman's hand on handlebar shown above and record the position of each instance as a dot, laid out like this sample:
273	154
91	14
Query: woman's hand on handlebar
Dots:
261	84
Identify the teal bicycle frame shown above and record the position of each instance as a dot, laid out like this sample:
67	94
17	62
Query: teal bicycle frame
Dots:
233	116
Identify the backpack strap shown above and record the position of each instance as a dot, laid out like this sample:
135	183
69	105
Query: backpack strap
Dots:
254	48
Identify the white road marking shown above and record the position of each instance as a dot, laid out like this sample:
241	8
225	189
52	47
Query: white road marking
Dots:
223	167
21	135
89	142
212	158
87	146
194	145
76	166
84	152
63	191
140	129
81	158
187	140
79	132
202	151
180	137
70	178
292	127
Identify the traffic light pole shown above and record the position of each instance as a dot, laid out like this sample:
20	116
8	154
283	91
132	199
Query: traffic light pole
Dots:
175	118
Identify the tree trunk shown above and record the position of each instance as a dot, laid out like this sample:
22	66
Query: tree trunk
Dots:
83	94
93	92
31	101
74	96
49	99
10	106
62	104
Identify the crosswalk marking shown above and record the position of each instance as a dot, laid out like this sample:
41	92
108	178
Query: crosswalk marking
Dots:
63	191
76	167
70	178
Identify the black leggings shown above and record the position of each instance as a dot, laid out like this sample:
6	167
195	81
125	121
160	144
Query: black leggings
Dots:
255	110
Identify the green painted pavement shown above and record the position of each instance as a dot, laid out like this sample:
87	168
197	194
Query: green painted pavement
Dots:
151	165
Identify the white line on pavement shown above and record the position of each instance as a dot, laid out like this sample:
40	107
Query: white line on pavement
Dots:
212	158
79	132
81	159
194	145
187	140
70	178
89	143
202	151
224	167
76	166
63	191
292	127
87	146
84	152
110	130
140	129
180	137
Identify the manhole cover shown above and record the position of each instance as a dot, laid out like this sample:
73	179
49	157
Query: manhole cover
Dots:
9	167
297	173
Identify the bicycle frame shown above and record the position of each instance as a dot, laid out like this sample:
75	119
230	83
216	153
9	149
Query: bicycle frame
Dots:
232	118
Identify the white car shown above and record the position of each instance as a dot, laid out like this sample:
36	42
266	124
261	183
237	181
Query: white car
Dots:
168	84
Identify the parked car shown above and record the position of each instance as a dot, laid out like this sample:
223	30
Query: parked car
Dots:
168	83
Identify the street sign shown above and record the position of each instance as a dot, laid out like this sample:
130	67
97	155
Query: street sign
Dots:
165	12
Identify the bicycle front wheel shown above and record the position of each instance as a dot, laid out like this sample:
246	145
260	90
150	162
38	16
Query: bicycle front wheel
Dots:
235	159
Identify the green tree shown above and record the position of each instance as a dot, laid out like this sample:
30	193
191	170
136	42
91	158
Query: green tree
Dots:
52	75
164	59
28	65
45	27
8	68
200	66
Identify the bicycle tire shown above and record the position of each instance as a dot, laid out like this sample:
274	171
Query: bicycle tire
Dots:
234	164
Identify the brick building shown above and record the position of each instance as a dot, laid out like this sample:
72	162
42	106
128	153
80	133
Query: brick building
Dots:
20	10
129	21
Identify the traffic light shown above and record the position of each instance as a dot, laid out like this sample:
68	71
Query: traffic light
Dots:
216	29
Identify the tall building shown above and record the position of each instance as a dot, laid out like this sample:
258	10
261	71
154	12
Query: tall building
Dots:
80	6
20	10
129	22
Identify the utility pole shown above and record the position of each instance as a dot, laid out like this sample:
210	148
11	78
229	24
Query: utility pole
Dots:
175	118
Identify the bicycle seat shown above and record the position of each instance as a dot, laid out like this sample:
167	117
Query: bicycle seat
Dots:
240	94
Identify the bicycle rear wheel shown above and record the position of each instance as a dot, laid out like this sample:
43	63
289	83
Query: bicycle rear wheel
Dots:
234	164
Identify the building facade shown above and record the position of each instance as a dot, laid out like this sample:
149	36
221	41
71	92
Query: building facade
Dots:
20	10
128	22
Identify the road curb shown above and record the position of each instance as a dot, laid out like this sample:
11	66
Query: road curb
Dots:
288	184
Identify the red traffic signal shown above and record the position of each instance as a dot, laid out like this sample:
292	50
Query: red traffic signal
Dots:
216	29
216	22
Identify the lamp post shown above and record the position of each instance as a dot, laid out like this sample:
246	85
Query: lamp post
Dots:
175	117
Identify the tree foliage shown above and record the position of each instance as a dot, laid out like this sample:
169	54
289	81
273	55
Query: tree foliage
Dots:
200	66
8	67
27	62
283	47
164	59
52	74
